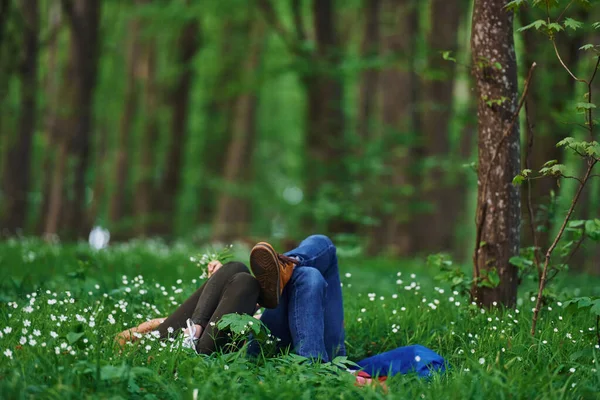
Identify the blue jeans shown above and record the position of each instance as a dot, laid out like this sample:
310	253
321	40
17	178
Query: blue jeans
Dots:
310	314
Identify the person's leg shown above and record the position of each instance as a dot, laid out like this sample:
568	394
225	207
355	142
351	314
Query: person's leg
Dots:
307	295
128	335
276	319
239	295
213	293
319	252
210	291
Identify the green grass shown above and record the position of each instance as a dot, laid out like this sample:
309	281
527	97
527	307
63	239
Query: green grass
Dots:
63	355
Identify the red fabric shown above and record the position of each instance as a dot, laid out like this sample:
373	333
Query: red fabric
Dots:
363	374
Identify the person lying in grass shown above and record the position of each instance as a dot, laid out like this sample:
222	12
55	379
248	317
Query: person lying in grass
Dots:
300	290
230	289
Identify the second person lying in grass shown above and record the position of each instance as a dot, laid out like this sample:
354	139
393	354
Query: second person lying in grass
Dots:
300	290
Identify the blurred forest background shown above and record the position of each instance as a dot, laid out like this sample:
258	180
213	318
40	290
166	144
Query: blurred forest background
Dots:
241	119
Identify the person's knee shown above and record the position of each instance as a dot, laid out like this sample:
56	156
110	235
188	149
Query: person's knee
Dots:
234	267
309	279
244	283
323	238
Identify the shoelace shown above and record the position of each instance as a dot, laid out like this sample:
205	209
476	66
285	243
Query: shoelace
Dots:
285	259
191	329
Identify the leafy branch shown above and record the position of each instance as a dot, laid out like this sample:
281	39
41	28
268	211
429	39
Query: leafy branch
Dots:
587	150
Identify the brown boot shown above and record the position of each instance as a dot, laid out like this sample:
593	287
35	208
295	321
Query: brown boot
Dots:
272	271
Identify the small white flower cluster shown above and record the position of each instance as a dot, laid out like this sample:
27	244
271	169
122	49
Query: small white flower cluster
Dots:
203	260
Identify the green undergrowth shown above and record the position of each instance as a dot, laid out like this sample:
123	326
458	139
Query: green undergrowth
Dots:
60	307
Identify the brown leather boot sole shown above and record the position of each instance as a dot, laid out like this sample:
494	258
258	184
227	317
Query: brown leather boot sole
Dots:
265	266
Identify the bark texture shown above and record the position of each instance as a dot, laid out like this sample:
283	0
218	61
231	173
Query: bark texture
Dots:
371	48
391	234
439	187
220	108
75	123
233	207
189	43
121	169
325	118
16	182
51	92
145	189
498	202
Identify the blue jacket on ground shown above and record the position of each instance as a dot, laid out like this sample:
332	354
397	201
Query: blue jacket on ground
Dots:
415	358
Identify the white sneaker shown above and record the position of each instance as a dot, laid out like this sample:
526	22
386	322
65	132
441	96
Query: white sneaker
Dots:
190	340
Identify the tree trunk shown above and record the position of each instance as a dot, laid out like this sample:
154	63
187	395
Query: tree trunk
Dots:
189	42
498	202
370	76
398	24
17	177
51	90
86	24
325	119
438	187
100	167
233	207
122	167
61	128
55	199
220	108
9	46
73	127
145	190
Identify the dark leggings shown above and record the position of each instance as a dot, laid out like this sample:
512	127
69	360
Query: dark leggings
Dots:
230	290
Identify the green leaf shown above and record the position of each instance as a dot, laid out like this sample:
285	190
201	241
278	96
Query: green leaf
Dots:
572	24
447	55
577	223
583	106
550	163
535	24
72	337
520	262
493	278
592	229
593	149
457	280
595	307
240	324
343	362
554	27
596	25
545	3
587	47
555	170
565	142
517	180
110	372
580	354
515	5
558	169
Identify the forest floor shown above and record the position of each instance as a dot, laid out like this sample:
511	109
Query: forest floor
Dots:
61	306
